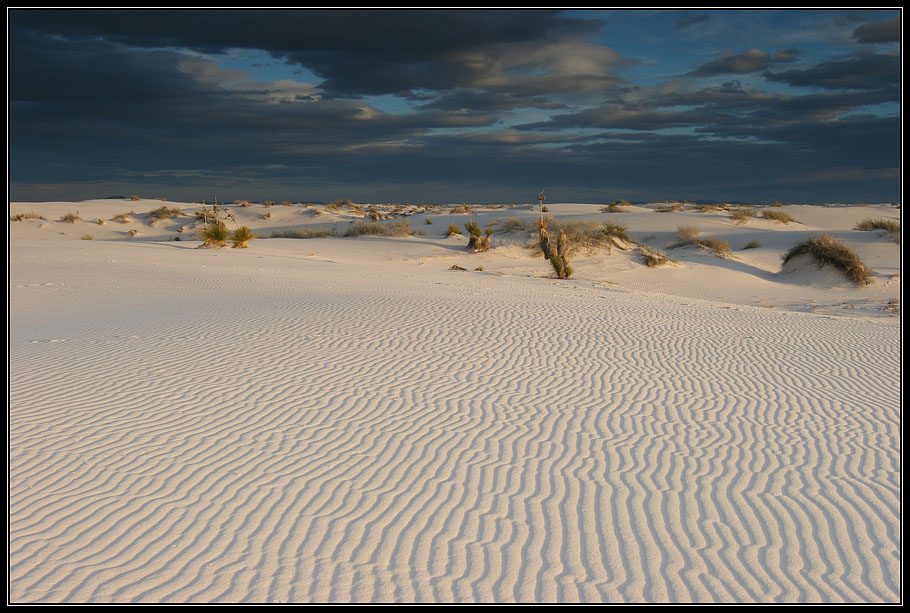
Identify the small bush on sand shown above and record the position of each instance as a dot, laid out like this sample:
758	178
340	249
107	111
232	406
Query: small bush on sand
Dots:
687	235
162	213
751	245
375	228
616	230
304	233
870	225
669	208
214	236
778	216
741	216
122	218
718	246
453	230
825	249
618	206
24	216
71	218
87	237
654	257
241	237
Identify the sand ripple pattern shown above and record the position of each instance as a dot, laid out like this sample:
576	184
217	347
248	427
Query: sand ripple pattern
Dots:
453	437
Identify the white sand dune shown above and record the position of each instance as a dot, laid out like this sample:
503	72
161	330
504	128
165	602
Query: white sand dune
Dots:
347	420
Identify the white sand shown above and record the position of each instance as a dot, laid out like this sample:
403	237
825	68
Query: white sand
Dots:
347	420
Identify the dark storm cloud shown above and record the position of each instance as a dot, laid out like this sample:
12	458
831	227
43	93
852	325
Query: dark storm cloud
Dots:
356	52
691	19
751	60
867	71
879	32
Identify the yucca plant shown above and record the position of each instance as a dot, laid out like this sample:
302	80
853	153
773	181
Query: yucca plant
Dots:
241	237
557	254
215	236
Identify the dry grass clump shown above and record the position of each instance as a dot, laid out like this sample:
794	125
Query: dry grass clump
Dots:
215	236
741	216
870	225
690	235
669	208
461	209
241	237
162	213
87	237
687	235
511	225
751	245
618	206
71	218
654	257
453	230
134	233
24	216
718	246
616	230
778	216
305	233
122	217
825	249
375	228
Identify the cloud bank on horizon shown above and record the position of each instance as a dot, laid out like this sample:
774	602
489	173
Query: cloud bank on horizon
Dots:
441	106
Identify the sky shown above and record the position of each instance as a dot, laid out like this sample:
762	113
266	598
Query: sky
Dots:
451	106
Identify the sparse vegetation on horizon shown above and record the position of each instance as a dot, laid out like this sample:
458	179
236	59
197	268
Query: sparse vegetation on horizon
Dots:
825	249
24	216
778	216
375	228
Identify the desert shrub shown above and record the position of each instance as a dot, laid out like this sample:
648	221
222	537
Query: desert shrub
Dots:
654	257
453	229
719	246
687	235
705	208
214	236
870	225
778	216
87	237
135	198
268	203
375	228
741	216
71	218
690	235
669	208
267	215
825	249
304	233
133	233
241	237
162	213
751	245
24	216
429	221
101	222
616	230
619	206
512	225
